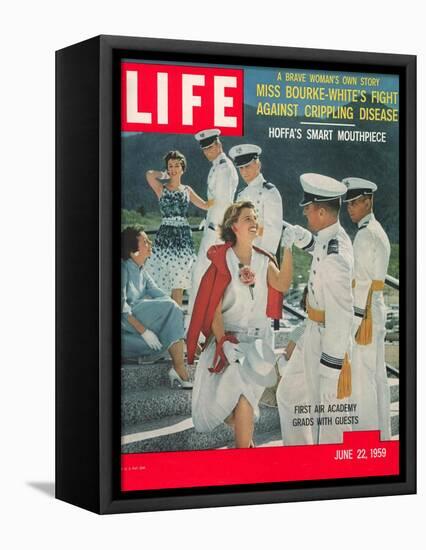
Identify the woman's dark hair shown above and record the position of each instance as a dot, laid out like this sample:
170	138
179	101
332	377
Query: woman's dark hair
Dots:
175	155
129	240
231	216
304	298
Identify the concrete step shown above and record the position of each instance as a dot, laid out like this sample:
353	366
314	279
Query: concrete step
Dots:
394	389
177	433
178	436
394	419
140	406
266	439
145	376
150	375
394	424
159	401
161	416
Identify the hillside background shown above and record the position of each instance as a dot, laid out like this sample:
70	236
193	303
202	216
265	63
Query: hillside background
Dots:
283	161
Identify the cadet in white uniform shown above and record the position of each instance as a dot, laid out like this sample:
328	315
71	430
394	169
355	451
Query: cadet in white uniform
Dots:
222	183
326	343
371	253
264	195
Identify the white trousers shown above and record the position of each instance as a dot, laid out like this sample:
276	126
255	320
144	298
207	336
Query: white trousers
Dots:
370	388
293	402
307	396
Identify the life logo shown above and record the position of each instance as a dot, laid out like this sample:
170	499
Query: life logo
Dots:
181	99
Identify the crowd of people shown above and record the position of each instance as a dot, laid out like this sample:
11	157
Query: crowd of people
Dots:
236	288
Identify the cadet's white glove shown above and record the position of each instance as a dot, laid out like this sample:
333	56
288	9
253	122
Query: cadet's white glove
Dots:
302	236
288	237
164	175
231	351
151	339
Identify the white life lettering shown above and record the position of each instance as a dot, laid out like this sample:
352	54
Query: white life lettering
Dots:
133	115
162	99
189	100
221	101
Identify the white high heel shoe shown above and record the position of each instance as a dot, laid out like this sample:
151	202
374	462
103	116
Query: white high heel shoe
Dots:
177	382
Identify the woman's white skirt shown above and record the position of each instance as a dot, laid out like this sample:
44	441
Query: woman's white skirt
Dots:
215	396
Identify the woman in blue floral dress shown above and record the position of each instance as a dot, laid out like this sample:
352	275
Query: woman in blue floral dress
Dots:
173	254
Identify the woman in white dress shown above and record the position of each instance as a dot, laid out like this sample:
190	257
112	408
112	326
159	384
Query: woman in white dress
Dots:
227	387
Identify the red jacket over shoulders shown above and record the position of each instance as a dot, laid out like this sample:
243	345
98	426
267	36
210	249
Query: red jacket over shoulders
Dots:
210	292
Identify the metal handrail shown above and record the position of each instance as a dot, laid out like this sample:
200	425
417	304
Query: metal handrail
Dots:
302	316
392	369
297	313
392	282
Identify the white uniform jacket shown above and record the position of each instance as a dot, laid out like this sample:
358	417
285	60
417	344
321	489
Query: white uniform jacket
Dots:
330	290
371	253
269	206
222	183
370	383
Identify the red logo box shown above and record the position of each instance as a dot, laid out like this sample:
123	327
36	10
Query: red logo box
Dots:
181	100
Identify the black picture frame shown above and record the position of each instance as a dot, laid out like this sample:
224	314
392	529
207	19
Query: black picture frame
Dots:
87	211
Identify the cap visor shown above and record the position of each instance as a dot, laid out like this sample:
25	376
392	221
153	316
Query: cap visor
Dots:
354	198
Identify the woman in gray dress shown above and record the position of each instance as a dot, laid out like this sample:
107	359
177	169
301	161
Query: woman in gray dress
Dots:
150	320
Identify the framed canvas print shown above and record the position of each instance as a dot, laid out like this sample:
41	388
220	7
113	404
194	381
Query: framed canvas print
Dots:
235	274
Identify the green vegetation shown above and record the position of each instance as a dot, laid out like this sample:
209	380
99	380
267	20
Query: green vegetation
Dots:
130	217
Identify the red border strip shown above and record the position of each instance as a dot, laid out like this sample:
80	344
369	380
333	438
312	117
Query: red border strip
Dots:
362	454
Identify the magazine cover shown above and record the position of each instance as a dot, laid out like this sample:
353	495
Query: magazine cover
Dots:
259	275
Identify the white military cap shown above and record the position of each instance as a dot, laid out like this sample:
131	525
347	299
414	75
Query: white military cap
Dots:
207	137
244	154
358	187
318	188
